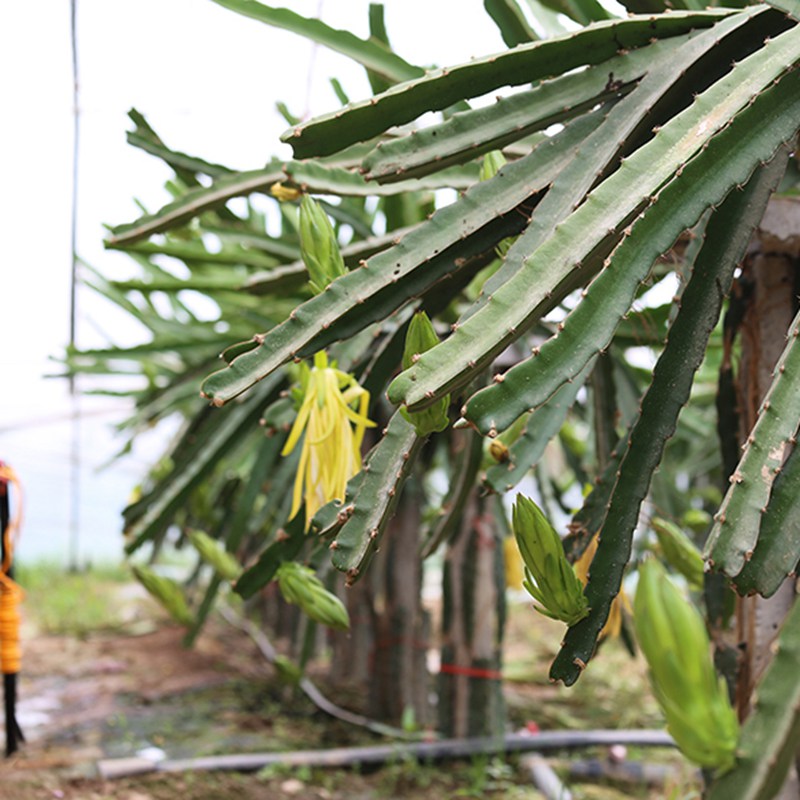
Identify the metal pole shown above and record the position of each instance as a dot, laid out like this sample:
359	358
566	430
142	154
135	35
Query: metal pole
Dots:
75	438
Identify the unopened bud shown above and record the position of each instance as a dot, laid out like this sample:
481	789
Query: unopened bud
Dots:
318	245
284	193
299	585
223	563
550	579
168	593
679	551
498	451
420	338
673	638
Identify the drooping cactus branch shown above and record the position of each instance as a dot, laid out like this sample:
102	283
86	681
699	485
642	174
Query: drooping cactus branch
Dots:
726	238
734	536
744	106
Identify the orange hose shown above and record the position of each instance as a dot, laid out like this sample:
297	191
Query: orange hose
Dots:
10	593
10	651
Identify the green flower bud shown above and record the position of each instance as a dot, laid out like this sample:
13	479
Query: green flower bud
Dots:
318	245
673	638
168	593
422	337
679	551
549	577
299	585
223	563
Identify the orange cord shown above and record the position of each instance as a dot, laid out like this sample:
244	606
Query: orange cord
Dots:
10	593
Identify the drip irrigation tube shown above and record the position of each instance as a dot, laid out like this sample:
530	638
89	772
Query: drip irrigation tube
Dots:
382	754
307	686
375	755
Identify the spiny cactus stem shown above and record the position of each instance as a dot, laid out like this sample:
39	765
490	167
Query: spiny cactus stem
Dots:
516	305
529	383
727	235
404	102
374	503
735	534
421	258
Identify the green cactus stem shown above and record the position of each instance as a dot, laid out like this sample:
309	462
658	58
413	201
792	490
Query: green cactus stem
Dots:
469	134
777	552
744	106
734	536
531	382
726	237
443	87
771	735
621	127
384	474
474	224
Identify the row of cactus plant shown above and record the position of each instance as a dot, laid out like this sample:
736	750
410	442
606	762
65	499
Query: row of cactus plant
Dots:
670	121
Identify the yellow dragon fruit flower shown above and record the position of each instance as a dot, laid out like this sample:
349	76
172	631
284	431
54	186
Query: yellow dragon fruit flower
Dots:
333	417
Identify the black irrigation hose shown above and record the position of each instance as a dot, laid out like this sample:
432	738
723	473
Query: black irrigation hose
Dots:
381	754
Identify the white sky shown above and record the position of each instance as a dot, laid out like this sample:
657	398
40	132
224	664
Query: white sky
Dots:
207	80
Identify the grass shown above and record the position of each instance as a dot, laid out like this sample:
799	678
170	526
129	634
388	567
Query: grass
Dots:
73	603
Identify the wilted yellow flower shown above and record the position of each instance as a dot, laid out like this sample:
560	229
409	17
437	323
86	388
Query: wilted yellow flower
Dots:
613	624
331	452
514	565
284	193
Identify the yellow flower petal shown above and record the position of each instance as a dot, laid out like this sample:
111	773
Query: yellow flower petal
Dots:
332	432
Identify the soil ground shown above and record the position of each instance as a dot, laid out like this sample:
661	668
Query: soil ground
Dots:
123	683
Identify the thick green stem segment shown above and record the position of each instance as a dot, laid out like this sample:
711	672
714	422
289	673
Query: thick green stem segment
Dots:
591	325
373	506
620	128
468	134
733	538
777	553
771	736
475	223
727	235
524	64
338	178
742	118
196	201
